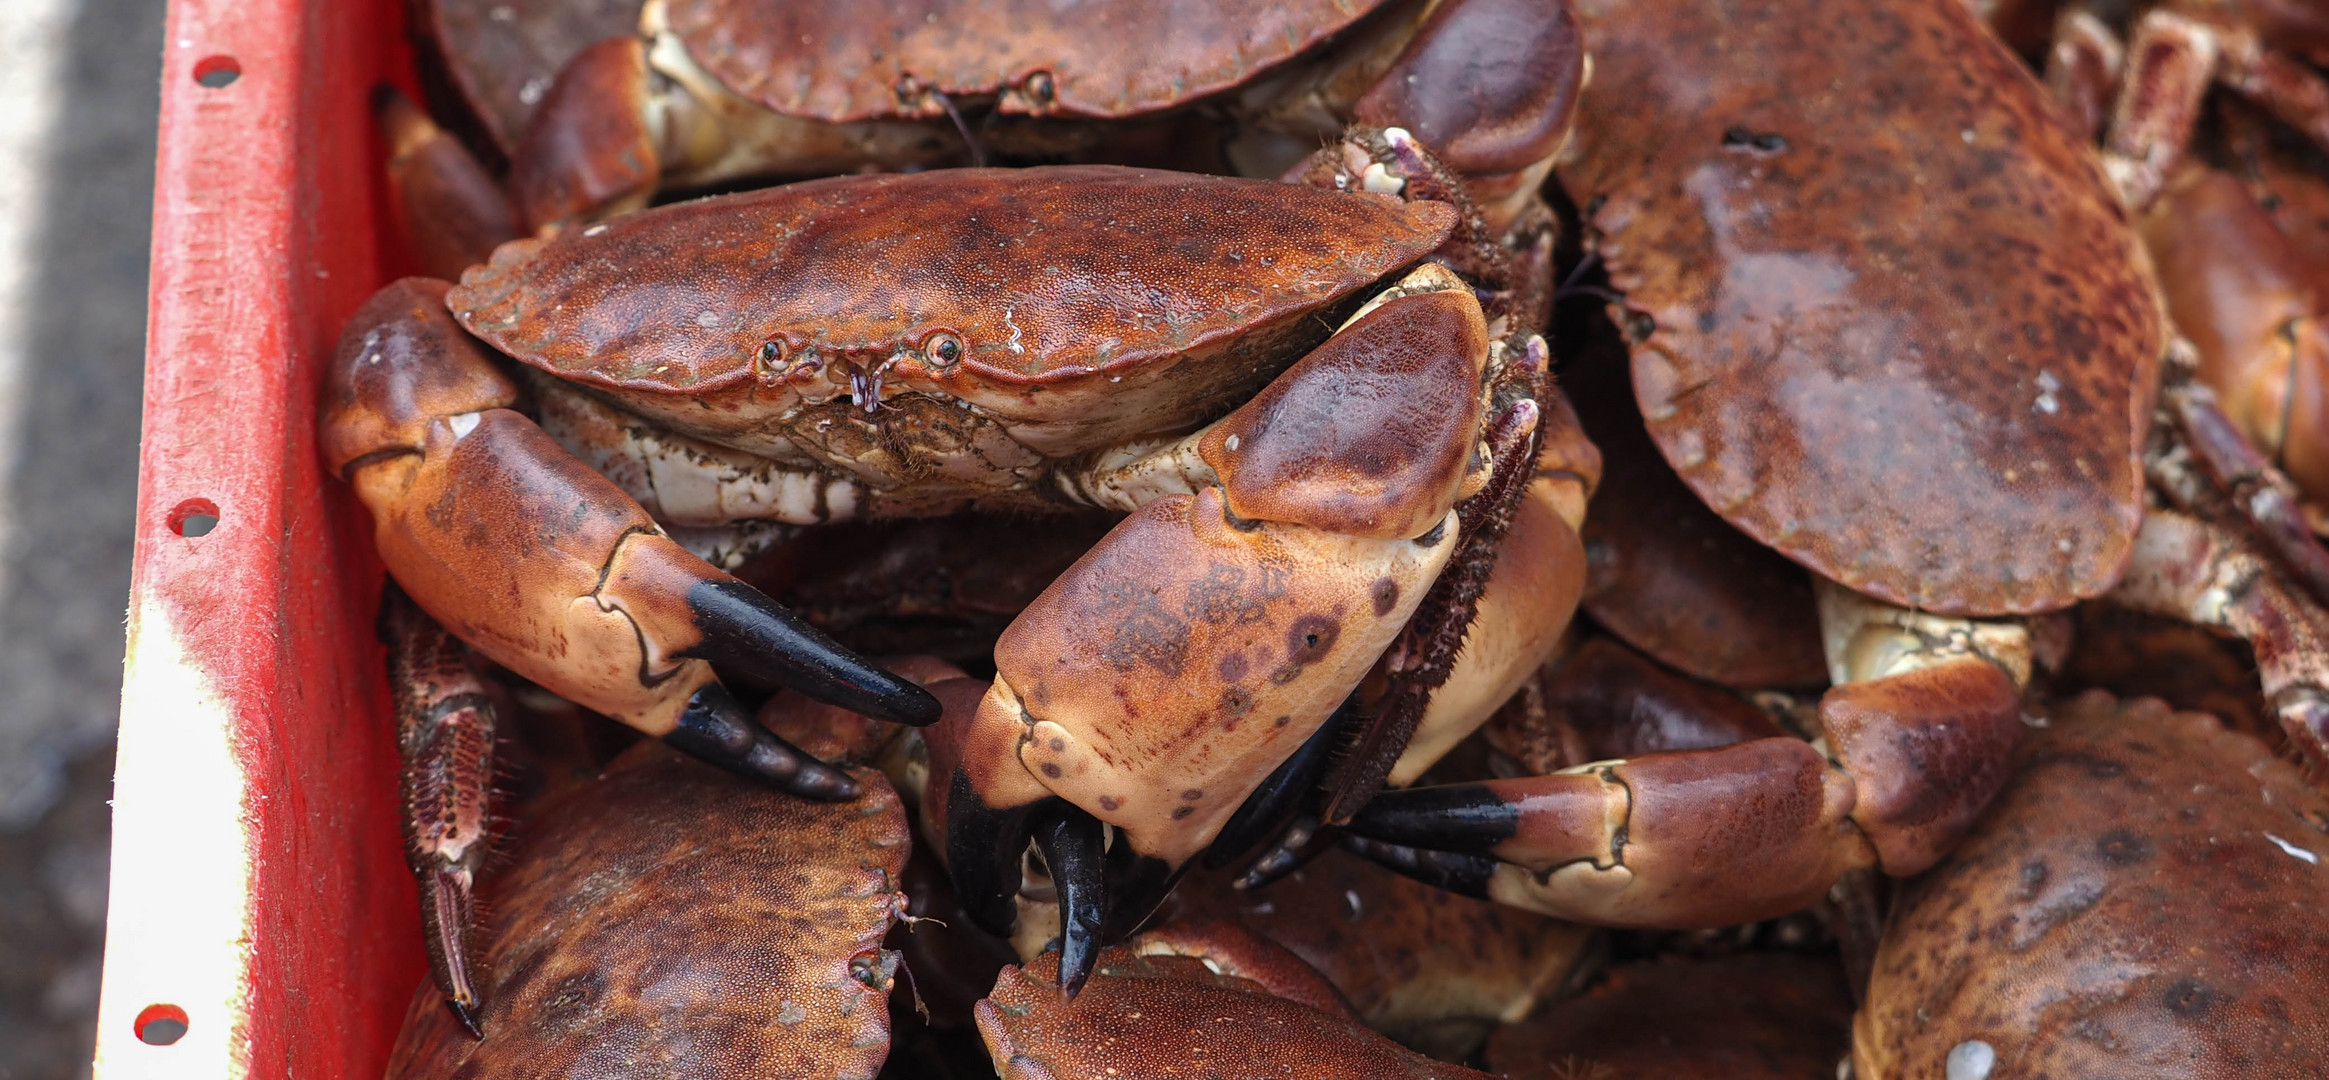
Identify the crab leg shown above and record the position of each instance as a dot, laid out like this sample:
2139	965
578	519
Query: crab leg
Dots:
1921	722
1491	86
450	210
1161	679
2187	569
2172	59
444	733
551	570
630	114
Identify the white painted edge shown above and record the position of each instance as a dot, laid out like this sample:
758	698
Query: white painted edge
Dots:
177	928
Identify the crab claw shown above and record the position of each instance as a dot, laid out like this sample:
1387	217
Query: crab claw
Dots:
1922	722
1164	676
1071	843
552	571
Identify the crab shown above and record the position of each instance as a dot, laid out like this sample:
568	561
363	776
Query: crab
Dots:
916	345
1189	999
668	910
2144	899
714	91
1941	417
2145	95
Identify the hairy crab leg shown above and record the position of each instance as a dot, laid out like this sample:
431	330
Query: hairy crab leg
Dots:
444	734
2188	569
1921	723
548	568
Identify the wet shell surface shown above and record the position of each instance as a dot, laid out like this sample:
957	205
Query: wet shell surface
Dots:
673	920
2145	899
1887	316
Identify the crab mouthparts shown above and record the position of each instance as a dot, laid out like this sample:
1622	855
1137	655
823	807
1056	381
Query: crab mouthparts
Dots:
866	389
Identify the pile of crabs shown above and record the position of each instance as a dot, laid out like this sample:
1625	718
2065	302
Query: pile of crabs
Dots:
1361	538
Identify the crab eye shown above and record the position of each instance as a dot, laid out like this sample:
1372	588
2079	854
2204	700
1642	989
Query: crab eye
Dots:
1039	88
942	350
772	352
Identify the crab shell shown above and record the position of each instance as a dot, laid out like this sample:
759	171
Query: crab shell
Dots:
995	316
1888	316
1208	1003
1092	60
674	912
2144	899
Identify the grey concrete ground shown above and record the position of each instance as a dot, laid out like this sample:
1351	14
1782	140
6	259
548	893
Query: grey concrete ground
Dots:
78	94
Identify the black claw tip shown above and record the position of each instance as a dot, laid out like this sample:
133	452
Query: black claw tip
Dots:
1467	875
1469	818
716	729
984	845
1072	843
745	630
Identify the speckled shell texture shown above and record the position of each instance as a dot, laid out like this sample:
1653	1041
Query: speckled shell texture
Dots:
672	920
1756	1016
2145	899
504	54
1072	290
843	62
1889	318
1170	1018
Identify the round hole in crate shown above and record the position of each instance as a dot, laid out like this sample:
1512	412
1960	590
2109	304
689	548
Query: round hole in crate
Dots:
217	71
161	1025
194	517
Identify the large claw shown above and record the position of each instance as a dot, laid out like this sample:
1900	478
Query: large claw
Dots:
1170	671
1922	722
551	570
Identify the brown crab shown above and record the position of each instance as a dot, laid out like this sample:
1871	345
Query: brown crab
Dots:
668	911
2144	899
715	90
890	346
1936	399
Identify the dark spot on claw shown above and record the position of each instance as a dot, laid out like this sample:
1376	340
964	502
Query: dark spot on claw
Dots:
2120	847
1110	802
2033	877
1282	721
1307	642
2188	998
1051	770
1236	702
1233	667
1386	595
1193	794
1183	811
1058	745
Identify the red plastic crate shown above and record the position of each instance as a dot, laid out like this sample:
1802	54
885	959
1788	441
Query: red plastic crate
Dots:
258	887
